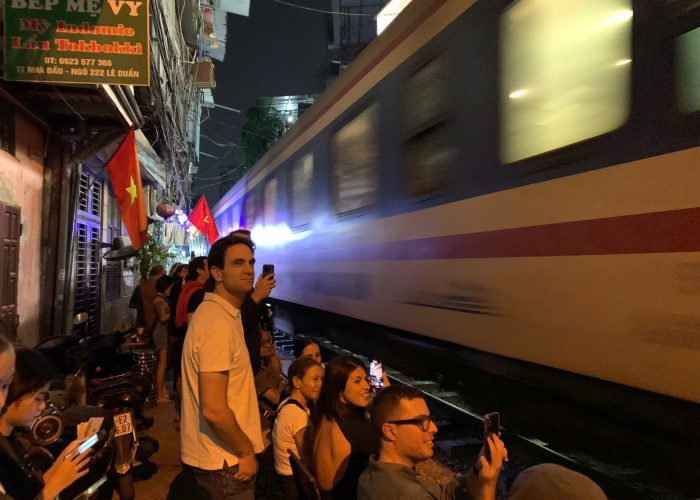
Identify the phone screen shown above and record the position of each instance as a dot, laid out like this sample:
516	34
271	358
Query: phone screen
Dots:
375	374
268	269
492	425
88	443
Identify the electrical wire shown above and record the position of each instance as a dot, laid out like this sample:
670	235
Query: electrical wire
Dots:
230	144
321	10
68	104
238	128
222	176
217	166
174	99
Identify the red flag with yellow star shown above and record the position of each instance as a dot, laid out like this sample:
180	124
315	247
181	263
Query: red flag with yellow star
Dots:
125	174
202	219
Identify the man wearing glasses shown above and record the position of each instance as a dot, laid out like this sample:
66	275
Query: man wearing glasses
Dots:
407	431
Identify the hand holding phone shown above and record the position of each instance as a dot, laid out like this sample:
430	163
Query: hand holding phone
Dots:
492	425
268	269
375	374
88	443
266	282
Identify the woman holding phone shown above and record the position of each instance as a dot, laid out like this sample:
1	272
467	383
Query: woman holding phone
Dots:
26	393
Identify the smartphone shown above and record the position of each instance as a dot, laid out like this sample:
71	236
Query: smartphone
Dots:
88	443
492	425
375	374
268	269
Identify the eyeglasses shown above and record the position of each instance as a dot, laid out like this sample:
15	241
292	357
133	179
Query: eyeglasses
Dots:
422	422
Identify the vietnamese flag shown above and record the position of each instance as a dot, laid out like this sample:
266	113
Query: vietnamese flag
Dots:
202	219
125	174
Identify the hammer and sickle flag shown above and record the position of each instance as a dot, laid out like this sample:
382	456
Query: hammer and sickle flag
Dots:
202	219
125	174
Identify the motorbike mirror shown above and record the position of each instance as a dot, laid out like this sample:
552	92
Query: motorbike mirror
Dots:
80	318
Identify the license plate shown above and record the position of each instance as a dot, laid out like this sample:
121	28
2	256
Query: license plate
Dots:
122	424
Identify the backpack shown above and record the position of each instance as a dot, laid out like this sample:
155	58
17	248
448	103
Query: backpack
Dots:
271	415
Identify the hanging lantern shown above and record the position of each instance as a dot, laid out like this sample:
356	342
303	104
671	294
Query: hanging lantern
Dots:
165	210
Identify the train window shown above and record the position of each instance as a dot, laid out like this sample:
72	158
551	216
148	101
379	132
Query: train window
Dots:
427	149
565	73
424	96
249	212
301	176
688	71
235	213
354	151
270	202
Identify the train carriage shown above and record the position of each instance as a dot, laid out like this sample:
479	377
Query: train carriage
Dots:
518	177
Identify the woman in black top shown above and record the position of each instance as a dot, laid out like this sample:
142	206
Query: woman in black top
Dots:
26	399
344	437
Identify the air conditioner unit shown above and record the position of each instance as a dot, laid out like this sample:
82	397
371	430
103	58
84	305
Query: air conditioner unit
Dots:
204	76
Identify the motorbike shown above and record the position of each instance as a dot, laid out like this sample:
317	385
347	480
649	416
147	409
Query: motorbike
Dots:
99	376
53	431
123	395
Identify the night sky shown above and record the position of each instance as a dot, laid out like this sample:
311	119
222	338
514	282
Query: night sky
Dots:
278	50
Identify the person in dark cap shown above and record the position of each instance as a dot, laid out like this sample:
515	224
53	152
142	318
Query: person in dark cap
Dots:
554	482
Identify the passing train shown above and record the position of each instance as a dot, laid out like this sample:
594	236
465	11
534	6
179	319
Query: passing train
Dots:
519	177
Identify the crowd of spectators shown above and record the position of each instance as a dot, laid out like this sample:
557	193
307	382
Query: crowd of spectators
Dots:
355	442
243	424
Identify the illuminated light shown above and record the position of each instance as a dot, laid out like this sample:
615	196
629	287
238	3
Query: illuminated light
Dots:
182	218
388	13
276	235
620	17
516	94
622	62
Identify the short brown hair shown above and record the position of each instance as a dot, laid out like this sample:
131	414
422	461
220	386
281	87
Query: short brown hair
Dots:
299	367
217	252
156	270
240	232
387	403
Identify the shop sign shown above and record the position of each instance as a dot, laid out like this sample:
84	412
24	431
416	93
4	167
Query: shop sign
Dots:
77	41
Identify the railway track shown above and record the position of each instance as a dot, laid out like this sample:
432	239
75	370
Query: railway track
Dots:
460	434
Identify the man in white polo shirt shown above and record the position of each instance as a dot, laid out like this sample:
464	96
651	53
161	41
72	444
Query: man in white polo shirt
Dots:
220	428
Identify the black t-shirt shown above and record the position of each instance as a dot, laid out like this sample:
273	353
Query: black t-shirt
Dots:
363	444
250	316
174	295
195	299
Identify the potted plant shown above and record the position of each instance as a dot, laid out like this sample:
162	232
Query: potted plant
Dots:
154	252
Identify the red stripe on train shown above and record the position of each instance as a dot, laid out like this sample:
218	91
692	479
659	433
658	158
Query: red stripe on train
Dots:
657	232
